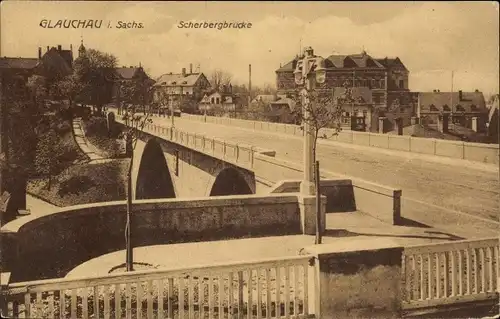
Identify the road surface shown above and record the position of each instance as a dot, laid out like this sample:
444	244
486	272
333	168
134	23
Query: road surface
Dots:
428	186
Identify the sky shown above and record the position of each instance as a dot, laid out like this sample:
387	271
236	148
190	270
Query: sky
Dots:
431	38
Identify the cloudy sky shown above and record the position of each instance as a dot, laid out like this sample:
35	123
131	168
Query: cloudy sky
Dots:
431	38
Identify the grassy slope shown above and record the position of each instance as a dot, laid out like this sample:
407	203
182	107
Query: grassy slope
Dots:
82	182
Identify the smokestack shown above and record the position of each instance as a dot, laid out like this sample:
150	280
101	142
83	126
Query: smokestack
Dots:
39	52
460	95
183	71
59	48
190	68
250	81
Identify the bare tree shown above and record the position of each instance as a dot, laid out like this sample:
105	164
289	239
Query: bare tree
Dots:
321	109
219	78
134	125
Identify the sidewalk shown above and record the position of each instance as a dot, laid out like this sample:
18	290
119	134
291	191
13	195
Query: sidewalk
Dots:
39	207
342	228
82	141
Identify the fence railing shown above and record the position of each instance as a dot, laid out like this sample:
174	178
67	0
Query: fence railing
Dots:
262	289
443	273
239	154
477	152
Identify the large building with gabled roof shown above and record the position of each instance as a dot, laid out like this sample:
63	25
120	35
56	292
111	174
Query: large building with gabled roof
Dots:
381	83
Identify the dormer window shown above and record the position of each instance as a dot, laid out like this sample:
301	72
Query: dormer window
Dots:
433	108
473	108
446	108
184	82
460	108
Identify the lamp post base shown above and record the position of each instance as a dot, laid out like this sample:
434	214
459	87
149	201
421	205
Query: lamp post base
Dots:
307	188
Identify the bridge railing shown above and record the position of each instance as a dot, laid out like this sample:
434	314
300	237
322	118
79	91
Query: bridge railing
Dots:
240	154
447	273
266	289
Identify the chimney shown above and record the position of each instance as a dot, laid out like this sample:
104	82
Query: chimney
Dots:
39	52
183	71
460	95
47	48
250	81
59	48
190	68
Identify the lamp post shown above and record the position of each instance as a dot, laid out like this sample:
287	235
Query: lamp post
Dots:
309	71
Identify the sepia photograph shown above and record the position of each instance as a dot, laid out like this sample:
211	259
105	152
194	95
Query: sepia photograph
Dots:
249	159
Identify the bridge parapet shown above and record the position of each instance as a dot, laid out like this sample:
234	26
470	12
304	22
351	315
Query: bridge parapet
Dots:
476	152
238	154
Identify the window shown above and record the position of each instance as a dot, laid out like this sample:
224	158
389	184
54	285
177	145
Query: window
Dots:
401	84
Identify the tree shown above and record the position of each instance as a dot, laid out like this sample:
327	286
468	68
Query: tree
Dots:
48	155
134	124
94	76
321	109
219	78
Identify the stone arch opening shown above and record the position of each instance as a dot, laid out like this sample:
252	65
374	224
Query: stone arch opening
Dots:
230	182
154	179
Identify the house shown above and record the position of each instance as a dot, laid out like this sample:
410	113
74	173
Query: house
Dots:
223	99
132	74
386	80
493	118
184	90
467	109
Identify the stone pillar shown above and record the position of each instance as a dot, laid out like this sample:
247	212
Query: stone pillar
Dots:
381	124
474	123
307	206
446	119
359	279
399	125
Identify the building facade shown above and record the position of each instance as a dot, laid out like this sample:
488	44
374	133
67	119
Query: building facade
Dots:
466	109
182	90
380	86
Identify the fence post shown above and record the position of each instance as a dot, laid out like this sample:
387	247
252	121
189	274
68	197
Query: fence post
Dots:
434	140
224	149
237	148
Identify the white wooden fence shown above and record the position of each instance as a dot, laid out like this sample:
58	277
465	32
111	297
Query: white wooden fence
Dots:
262	289
446	273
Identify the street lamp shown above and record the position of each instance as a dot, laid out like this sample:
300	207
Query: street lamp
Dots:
309	71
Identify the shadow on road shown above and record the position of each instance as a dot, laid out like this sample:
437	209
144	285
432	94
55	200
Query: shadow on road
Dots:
432	234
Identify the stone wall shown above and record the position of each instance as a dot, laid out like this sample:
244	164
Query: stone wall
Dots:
343	194
477	152
50	246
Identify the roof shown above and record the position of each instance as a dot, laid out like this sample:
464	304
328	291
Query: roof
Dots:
268	98
440	99
18	63
283	101
362	60
288	66
178	79
127	73
391	62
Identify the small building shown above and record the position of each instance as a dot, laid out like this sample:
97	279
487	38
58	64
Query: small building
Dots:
184	90
466	109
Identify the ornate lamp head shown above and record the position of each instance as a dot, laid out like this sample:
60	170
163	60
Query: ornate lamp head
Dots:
320	70
299	79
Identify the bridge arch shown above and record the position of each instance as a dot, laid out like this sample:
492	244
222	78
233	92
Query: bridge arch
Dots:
230	181
154	179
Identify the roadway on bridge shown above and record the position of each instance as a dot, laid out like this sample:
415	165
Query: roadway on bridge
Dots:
464	188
